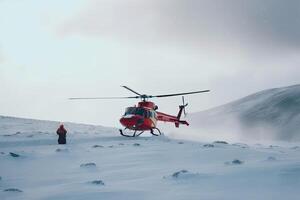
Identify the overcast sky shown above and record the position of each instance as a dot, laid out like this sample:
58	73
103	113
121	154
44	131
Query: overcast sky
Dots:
51	50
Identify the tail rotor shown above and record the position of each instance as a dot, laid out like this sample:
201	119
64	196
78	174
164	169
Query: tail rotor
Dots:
184	105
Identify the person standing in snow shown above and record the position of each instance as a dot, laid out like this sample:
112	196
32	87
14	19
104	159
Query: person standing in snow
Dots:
62	133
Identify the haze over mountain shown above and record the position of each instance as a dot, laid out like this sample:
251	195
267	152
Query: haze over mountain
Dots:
269	114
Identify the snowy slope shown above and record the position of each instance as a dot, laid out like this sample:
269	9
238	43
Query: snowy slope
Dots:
20	126
98	164
270	114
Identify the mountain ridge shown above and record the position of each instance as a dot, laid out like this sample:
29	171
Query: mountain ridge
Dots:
271	113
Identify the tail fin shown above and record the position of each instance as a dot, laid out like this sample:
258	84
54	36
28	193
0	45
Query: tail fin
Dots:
181	109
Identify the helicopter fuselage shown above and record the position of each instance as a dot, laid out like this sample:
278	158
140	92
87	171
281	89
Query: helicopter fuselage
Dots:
144	117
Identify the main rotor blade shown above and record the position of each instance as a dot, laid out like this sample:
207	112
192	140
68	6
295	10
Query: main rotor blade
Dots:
131	90
178	94
91	98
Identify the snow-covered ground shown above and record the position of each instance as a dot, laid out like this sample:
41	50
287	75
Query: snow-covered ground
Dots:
97	163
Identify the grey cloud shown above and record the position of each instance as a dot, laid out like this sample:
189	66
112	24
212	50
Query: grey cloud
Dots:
246	24
244	45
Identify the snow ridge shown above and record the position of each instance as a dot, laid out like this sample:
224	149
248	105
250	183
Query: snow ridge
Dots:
273	114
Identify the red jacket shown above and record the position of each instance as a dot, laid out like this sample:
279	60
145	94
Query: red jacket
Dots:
61	131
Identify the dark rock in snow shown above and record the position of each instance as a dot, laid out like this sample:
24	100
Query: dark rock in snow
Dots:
12	190
234	162
209	145
180	142
136	144
185	175
241	145
98	146
97	182
14	155
220	142
237	162
121	144
88	165
111	146
177	174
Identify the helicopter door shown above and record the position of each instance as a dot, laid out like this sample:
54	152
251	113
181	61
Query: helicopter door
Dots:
153	117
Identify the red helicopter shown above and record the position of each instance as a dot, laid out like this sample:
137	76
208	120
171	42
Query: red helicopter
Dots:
144	116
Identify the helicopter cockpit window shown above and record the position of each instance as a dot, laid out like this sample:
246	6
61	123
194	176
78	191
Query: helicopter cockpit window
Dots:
135	111
130	111
140	111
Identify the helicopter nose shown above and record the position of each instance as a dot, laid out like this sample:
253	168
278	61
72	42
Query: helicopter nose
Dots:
129	121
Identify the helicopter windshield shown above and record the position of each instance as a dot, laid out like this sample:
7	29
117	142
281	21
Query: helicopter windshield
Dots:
129	111
135	111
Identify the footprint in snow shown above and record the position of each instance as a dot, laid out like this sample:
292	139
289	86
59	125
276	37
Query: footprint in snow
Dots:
13	190
242	145
208	145
97	182
273	146
9	135
98	146
186	175
234	162
62	150
88	165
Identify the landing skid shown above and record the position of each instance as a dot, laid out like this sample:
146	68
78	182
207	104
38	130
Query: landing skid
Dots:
137	133
151	131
